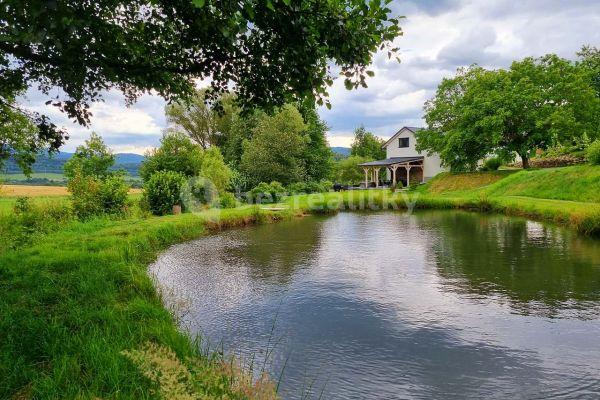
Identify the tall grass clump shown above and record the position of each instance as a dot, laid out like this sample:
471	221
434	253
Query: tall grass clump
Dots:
29	221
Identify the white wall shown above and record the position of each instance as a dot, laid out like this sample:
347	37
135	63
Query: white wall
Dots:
432	164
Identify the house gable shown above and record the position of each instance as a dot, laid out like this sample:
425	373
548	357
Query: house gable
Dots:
405	132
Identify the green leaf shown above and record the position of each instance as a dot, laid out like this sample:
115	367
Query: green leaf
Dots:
198	3
270	5
371	73
348	83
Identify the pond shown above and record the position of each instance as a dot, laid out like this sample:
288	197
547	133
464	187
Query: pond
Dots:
436	304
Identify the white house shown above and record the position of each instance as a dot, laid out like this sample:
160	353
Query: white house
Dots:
403	162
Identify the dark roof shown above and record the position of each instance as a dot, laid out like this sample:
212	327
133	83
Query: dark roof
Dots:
390	161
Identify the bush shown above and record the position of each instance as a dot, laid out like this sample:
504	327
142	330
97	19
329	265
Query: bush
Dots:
22	205
197	193
84	195
93	196
228	200
112	194
492	164
162	191
266	193
593	153
297	188
310	187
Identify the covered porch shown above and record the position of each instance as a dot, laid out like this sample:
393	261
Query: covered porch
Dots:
402	169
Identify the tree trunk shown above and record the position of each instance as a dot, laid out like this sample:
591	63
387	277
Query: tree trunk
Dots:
525	161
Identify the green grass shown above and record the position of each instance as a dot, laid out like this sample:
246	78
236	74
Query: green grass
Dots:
578	183
73	301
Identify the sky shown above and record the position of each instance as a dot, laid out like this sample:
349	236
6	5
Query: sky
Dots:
439	37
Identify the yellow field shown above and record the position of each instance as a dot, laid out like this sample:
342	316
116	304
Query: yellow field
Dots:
39	191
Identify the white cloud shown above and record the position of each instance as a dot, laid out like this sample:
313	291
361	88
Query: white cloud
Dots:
113	119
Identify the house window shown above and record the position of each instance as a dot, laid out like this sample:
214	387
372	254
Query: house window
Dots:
403	142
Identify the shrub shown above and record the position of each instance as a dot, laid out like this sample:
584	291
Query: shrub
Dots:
297	188
593	153
22	205
84	195
310	187
227	200
239	182
112	194
93	196
267	193
492	164
197	193
318	187
162	191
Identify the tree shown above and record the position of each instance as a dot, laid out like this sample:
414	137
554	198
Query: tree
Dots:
91	159
317	155
24	134
176	153
590	60
347	171
275	151
533	105
215	170
87	47
366	144
204	124
232	142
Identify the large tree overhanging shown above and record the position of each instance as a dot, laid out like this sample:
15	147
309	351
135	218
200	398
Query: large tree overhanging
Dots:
534	104
271	51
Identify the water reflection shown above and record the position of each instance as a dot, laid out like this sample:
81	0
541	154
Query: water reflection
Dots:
537	268
390	305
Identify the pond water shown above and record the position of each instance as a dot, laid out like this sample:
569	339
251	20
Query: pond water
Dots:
389	305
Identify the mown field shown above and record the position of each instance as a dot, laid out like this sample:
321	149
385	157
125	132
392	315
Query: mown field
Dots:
39	195
80	318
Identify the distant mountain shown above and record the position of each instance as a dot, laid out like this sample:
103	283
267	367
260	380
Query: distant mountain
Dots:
130	162
342	151
129	158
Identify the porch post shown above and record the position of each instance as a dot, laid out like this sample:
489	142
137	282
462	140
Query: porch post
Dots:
376	170
366	169
407	175
394	168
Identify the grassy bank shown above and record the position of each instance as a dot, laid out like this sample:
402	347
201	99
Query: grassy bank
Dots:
568	196
74	301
